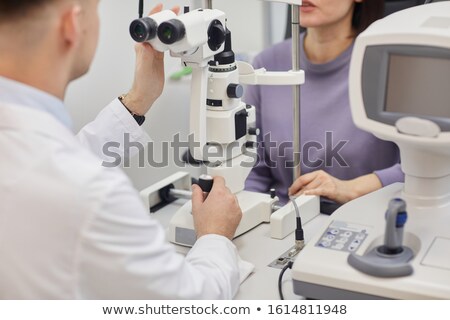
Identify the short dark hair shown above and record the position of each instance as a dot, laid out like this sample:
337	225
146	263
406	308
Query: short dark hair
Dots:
365	13
16	8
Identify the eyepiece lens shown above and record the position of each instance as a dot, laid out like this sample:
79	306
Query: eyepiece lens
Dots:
171	31
168	33
139	31
143	29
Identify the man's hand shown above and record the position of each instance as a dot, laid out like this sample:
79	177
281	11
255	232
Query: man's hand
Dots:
320	183
219	213
149	76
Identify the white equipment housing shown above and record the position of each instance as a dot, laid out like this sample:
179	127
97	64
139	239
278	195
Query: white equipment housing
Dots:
400	91
222	128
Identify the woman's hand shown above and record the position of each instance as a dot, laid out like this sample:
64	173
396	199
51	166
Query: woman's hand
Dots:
320	183
149	75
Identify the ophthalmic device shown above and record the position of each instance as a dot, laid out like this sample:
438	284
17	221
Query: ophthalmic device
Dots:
223	131
394	243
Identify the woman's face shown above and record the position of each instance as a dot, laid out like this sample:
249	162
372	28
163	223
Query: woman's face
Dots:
324	13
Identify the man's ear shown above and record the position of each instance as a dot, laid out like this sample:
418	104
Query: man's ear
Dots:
71	25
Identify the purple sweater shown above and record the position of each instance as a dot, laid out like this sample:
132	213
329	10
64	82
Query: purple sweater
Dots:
330	140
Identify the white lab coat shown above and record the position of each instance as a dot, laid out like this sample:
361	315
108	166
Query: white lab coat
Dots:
72	229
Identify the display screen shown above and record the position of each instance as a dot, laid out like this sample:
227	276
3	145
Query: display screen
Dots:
418	85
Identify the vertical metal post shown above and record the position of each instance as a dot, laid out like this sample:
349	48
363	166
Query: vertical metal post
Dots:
295	14
207	4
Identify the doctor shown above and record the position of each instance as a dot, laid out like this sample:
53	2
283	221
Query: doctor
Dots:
70	228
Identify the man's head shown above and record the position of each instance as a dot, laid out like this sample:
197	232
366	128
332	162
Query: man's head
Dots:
62	33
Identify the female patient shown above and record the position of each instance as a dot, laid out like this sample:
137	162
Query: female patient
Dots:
339	161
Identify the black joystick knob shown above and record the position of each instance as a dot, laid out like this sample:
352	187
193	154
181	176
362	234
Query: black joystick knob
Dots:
235	91
254	131
205	182
396	217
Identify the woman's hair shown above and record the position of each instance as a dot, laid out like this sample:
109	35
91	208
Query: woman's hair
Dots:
365	13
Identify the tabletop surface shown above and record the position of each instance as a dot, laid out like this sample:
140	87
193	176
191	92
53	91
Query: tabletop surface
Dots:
256	246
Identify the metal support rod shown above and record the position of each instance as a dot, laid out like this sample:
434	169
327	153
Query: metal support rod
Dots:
207	4
181	194
295	14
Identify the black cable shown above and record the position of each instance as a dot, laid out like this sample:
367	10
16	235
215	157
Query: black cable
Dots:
280	278
299	235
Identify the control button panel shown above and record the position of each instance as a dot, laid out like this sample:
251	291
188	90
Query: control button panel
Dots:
343	236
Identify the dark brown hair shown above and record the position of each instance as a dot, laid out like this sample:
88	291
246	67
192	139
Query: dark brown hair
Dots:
10	9
365	13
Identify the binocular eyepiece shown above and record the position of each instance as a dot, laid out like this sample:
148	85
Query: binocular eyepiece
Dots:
171	31
146	29
165	31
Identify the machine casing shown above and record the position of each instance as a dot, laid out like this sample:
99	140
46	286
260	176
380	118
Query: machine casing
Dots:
321	270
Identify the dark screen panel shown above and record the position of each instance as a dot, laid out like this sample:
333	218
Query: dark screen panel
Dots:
418	85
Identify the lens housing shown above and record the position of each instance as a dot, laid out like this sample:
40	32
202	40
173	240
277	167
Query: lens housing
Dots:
143	29
216	35
171	31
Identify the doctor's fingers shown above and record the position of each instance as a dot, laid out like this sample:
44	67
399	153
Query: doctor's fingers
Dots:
221	192
219	185
156	9
197	198
176	9
159	8
224	196
218	193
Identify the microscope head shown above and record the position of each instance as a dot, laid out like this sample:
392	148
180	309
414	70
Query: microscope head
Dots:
146	29
201	30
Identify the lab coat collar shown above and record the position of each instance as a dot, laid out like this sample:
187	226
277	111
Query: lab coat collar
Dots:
19	94
19	118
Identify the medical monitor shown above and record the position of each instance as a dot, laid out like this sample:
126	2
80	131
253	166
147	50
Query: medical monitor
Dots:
407	80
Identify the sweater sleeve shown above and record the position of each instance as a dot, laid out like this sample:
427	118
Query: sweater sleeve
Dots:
391	175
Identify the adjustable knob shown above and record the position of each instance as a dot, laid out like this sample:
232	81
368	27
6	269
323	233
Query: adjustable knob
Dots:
254	131
235	91
273	193
205	182
396	217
